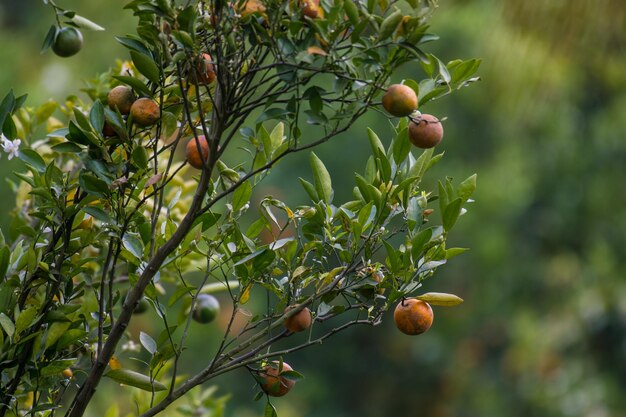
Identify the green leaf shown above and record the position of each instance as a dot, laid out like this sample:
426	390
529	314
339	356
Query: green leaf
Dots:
98	214
70	337
85	23
273	113
133	44
33	159
292	375
310	189
322	180
67	147
452	252
418	242
25	319
47	42
56	367
55	331
148	342
133	244
401	147
440	299
351	11
9	129
6	107
7	324
93	185
135	379
241	196
451	213
392	255
135	83
146	66
140	157
270	411
96	116
77	135
5	257
467	188
389	25
375	143
277	136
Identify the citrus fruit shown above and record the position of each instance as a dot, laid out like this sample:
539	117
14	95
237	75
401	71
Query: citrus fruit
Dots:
312	9
425	131
121	98
400	100
206	308
300	321
273	383
142	306
67	373
193	156
145	112
252	6
413	316
206	69
67	42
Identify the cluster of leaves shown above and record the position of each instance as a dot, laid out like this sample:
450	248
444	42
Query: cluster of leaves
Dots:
103	222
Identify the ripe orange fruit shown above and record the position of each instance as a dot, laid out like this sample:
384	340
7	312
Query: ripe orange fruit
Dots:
312	9
206	69
145	112
273	384
425	131
193	156
67	373
413	316
300	321
122	98
400	100
252	6
67	42
206	308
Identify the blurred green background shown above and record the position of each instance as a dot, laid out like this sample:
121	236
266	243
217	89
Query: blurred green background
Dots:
542	331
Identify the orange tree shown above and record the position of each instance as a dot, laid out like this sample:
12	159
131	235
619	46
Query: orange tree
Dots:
121	209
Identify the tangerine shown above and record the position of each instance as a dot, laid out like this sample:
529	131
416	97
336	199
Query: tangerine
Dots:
122	98
206	308
425	131
145	112
299	321
413	316
67	42
206	69
273	383
193	155
400	100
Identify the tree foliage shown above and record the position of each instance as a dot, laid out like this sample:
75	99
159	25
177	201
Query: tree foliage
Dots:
110	216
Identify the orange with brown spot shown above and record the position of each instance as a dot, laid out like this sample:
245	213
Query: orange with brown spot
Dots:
299	321
413	316
145	112
192	153
273	383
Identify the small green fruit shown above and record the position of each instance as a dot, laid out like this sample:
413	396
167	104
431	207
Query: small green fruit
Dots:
67	42
206	308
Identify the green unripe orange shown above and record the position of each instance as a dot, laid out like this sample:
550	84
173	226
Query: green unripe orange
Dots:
67	42
206	308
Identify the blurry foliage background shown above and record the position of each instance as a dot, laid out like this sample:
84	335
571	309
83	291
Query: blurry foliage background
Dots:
543	329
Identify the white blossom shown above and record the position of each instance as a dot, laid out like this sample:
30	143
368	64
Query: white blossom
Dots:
12	147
